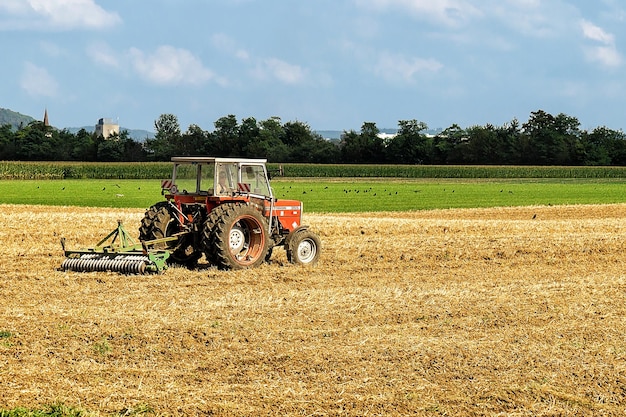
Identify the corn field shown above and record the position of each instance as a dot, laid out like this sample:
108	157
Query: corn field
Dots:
10	170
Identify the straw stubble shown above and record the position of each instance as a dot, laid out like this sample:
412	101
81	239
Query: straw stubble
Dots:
463	312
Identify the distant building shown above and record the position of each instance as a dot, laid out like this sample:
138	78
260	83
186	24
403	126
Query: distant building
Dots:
107	127
46	124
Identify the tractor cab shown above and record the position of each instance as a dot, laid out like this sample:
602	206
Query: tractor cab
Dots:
217	177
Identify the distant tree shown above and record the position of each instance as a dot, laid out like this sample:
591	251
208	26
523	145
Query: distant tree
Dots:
193	141
167	138
306	146
224	140
319	150
133	151
7	145
249	137
36	142
552	139
268	142
616	145
410	145
508	142
77	147
374	145
351	147
482	146
364	147
543	140
110	149
85	147
602	146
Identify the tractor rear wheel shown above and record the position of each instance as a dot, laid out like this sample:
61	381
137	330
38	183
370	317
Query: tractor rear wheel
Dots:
236	237
303	248
159	222
210	250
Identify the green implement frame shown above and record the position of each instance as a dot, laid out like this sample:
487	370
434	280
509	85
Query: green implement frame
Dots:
118	252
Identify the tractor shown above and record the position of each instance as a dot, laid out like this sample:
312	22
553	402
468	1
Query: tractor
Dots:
222	208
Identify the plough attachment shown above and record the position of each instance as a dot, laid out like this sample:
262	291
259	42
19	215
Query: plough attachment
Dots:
121	255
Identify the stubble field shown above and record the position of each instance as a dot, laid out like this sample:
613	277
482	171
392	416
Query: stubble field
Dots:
514	311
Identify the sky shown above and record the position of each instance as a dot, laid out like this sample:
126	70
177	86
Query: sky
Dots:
332	64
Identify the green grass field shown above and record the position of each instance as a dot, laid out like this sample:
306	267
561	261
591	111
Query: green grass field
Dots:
337	195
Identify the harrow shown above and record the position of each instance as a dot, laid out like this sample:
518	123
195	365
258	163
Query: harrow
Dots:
118	252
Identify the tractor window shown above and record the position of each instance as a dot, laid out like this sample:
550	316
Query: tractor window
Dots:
193	178
226	178
255	179
206	174
185	175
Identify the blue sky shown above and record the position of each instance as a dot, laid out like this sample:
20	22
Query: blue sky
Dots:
332	64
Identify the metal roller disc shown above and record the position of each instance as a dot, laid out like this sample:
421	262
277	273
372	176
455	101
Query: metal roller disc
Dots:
94	262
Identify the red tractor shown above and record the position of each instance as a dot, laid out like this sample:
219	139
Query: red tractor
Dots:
225	209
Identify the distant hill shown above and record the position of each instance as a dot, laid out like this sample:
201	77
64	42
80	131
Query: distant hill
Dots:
17	119
9	117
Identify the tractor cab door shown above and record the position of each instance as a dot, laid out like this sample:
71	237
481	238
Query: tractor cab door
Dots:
254	181
225	178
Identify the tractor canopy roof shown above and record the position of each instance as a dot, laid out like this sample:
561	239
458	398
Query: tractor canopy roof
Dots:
213	160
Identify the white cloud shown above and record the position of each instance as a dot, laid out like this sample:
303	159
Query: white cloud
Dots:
55	14
36	81
279	70
606	54
596	33
401	69
170	66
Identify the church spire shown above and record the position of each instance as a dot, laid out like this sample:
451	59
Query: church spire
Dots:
45	118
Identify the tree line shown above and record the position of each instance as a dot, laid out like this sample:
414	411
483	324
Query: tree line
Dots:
544	139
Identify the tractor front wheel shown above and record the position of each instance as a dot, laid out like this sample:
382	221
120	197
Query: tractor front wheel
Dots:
303	247
236	237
